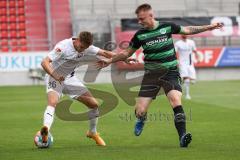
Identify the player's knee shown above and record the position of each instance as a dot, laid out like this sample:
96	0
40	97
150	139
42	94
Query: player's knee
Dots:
93	103
175	100
90	102
52	102
53	99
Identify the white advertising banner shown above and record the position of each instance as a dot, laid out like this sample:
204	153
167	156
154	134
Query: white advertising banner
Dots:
22	61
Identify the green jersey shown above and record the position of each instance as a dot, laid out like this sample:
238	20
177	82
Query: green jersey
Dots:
157	44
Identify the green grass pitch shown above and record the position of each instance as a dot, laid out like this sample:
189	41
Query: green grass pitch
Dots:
213	119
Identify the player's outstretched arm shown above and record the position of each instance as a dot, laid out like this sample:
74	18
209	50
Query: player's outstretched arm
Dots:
105	53
122	56
198	29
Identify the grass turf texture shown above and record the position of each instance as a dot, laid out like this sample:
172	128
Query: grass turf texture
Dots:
213	119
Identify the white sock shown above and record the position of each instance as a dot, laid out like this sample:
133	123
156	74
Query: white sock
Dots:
48	116
187	86
93	120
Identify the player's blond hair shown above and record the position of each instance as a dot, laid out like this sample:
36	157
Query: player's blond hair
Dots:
143	7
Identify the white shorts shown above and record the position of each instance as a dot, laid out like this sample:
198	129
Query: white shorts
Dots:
72	86
187	71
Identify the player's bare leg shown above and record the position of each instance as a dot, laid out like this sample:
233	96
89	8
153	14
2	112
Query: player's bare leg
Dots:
141	108
174	98
48	117
93	114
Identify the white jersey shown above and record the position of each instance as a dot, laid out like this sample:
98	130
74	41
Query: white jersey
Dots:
65	58
185	50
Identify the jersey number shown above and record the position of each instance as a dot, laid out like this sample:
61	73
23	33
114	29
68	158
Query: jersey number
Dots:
52	84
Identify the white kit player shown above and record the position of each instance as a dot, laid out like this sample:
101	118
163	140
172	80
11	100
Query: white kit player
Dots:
59	65
185	48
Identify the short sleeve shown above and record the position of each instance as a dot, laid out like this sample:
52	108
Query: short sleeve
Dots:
135	43
175	29
56	53
92	50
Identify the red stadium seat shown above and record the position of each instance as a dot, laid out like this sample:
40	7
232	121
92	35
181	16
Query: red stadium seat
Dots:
12	18
21	11
3	19
12	11
3	34
4	27
3	11
14	42
12	4
3	4
21	18
20	3
21	26
12	26
4	49
22	34
23	42
23	48
13	34
4	42
14	48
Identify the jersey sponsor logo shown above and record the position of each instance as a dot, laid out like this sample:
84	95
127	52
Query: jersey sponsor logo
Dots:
159	40
58	50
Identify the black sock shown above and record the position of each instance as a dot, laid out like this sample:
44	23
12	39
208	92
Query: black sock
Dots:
141	117
180	120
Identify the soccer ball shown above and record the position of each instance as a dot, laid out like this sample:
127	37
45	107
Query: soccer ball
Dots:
38	140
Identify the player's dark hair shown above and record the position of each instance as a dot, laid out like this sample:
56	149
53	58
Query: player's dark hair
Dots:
143	7
86	38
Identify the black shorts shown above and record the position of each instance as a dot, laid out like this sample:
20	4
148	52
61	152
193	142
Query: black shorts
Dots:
153	81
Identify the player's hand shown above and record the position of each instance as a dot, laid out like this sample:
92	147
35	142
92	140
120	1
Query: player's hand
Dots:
58	77
103	63
131	61
216	26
